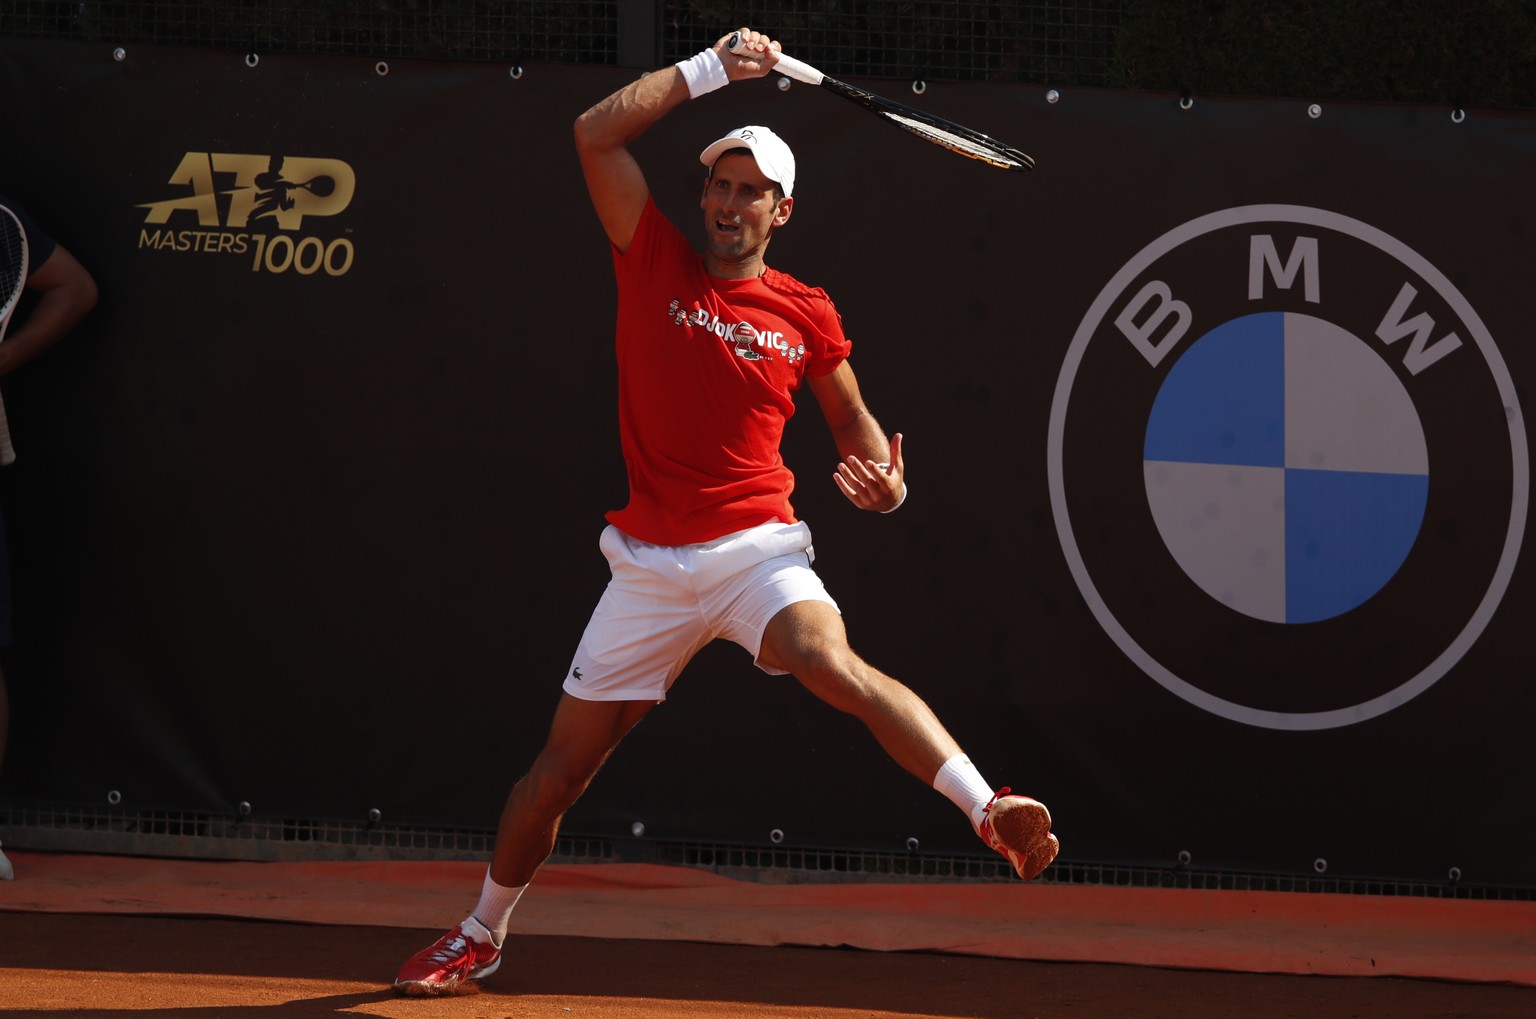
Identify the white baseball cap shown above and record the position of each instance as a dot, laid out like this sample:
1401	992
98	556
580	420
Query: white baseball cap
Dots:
772	154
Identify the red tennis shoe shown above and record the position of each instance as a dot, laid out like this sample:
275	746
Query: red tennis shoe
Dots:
464	953
1020	829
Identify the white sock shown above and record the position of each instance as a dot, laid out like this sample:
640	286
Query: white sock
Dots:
495	909
959	780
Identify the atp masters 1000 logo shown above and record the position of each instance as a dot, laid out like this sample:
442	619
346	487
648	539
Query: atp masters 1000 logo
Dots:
1288	467
229	203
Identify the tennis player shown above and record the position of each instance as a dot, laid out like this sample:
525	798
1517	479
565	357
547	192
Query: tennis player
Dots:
711	349
63	292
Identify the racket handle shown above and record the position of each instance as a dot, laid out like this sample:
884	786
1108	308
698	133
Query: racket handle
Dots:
785	65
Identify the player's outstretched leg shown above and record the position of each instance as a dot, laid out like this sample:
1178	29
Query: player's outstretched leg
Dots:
581	737
1020	828
808	640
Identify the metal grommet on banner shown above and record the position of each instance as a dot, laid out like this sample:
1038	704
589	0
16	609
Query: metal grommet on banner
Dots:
637	829
784	83
375	815
1454	874
1320	865
119	54
1314	111
516	71
919	86
776	836
912	844
1186	101
114	797
381	68
1458	115
252	59
1053	96
1185	856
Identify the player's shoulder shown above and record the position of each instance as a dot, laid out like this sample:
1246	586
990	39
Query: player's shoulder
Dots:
784	283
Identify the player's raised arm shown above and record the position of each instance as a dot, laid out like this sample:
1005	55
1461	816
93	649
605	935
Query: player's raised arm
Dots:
604	132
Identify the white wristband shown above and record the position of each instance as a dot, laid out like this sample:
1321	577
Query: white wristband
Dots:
704	72
902	499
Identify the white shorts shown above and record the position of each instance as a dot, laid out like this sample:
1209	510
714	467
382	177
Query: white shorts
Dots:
664	603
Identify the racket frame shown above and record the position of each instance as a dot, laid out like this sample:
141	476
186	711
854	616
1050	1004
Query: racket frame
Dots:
1002	156
8	303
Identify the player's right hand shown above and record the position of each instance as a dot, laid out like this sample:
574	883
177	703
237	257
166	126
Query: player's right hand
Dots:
754	55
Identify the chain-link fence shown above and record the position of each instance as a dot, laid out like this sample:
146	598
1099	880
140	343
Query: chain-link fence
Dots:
1065	42
569	31
1474	52
1070	43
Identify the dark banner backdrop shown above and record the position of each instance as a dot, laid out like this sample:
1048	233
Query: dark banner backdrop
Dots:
306	514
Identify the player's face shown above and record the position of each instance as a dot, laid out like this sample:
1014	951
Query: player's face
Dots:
741	209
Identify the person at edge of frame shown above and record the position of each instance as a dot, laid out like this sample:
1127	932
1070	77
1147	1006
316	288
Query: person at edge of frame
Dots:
708	545
62	293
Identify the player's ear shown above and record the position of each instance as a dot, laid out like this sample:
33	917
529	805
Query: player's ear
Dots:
781	214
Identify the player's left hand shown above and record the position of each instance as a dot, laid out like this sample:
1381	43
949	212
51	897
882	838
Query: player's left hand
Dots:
871	485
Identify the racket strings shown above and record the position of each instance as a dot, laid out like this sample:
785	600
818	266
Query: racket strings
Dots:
966	144
13	261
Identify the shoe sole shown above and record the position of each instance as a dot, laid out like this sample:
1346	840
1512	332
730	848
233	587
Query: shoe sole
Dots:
1040	859
427	989
1027	824
446	988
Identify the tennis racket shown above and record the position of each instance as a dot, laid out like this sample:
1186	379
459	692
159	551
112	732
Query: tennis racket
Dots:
954	137
320	187
13	280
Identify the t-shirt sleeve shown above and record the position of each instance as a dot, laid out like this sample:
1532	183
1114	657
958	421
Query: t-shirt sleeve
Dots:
832	346
656	242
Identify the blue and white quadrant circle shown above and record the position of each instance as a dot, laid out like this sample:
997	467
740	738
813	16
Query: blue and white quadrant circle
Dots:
1286	467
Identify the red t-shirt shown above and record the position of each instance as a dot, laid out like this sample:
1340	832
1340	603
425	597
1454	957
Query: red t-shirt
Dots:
708	369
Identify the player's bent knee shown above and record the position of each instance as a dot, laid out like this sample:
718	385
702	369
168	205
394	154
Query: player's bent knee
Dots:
551	789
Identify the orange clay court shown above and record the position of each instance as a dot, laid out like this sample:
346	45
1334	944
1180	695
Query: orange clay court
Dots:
102	936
